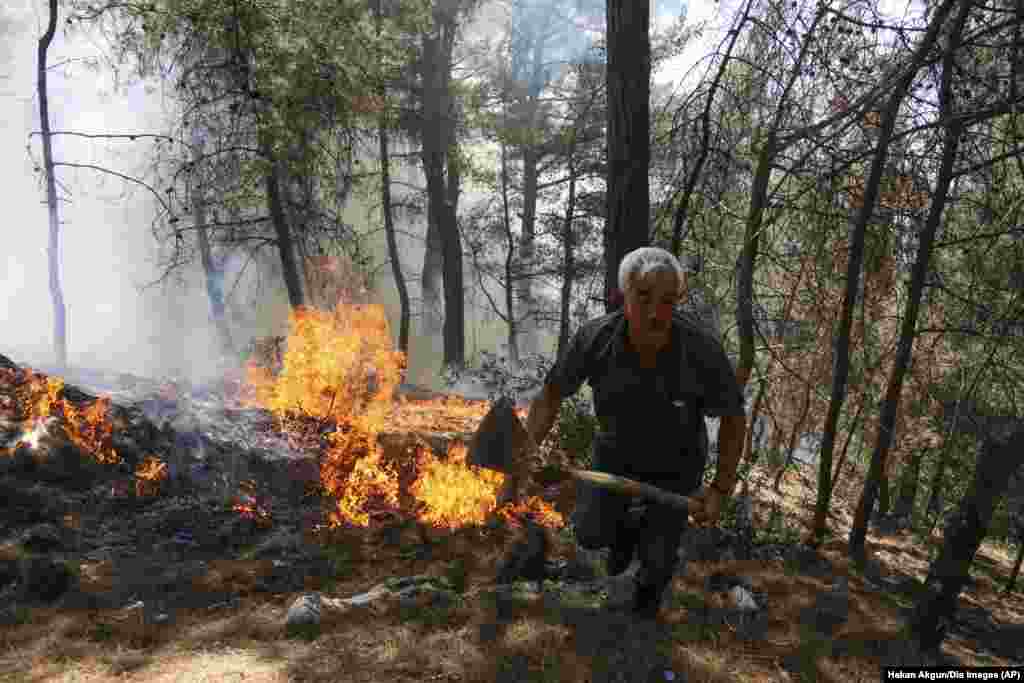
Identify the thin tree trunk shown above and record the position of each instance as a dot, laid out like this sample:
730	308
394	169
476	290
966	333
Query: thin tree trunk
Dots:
285	243
890	406
910	479
455	301
431	276
846	448
964	533
758	202
883	495
682	212
214	279
510	260
214	275
389	225
1011	583
568	251
60	342
748	257
749	455
794	439
855	261
527	249
629	145
442	192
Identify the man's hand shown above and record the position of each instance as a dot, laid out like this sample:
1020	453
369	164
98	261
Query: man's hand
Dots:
710	511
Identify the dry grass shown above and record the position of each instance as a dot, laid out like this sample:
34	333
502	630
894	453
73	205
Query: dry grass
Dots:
386	642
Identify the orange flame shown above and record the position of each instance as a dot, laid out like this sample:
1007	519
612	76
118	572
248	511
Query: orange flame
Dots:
149	476
453	492
341	366
89	428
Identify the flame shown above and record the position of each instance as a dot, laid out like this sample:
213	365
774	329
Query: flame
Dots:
453	492
542	512
248	504
89	428
92	430
149	476
354	473
340	366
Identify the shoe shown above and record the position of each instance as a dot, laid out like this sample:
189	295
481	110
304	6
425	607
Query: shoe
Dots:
621	556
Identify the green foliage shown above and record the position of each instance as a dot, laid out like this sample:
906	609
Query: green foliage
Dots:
780	532
455	574
576	428
696	631
101	632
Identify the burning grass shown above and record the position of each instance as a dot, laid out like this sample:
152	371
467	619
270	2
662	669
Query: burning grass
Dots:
42	397
339	369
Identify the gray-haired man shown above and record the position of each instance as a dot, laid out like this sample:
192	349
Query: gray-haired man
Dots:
655	373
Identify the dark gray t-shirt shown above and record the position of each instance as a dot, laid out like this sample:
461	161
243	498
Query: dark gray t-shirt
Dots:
651	419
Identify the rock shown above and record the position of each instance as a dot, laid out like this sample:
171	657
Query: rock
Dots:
742	600
722	582
749	617
280	543
44	579
304	613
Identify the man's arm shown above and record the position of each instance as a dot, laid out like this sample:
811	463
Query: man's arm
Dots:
731	432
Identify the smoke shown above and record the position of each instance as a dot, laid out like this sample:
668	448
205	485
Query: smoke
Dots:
115	322
108	252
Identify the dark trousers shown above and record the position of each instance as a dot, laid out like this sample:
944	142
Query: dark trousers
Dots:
603	519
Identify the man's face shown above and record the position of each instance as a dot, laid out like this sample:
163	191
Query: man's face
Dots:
648	308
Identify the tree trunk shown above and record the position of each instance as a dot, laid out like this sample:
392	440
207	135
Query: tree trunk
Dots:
794	440
442	191
60	341
890	407
1011	582
749	456
935	500
285	244
389	221
846	449
682	211
451	237
214	275
629	147
963	535
856	259
909	483
527	305
431	277
748	258
568	251
510	260
883	495
214	279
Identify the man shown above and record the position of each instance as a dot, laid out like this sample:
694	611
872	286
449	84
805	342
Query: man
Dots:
656	373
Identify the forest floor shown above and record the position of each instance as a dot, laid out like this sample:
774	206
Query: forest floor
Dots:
383	641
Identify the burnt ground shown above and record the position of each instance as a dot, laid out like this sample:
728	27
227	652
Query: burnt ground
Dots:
188	554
